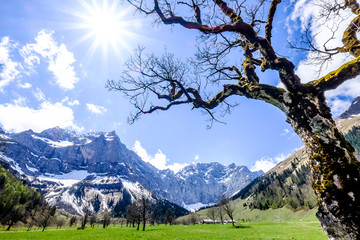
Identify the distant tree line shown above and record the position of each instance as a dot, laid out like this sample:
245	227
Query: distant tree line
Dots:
144	210
133	212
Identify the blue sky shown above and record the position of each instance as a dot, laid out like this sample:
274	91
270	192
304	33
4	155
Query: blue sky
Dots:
56	66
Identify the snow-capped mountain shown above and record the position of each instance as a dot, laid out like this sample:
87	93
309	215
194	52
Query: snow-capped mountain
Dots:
73	170
202	182
353	110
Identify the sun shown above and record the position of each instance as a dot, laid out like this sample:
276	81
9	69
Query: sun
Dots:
109	26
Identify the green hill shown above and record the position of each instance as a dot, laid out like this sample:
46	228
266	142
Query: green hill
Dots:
286	185
289	183
285	191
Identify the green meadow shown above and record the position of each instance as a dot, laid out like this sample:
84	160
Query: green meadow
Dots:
252	230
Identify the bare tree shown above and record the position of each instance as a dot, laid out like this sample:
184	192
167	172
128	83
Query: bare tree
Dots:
143	206
60	222
211	213
220	213
193	218
72	221
85	219
229	208
106	219
235	43
93	220
131	214
47	214
169	216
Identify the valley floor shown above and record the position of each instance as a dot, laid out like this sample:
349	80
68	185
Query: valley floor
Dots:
252	230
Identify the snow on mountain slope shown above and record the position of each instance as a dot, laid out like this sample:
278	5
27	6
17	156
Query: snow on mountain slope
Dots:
58	160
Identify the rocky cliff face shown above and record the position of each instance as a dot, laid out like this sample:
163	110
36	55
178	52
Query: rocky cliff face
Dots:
73	170
207	182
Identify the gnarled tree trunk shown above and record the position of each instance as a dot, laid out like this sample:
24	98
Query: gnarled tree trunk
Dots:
335	169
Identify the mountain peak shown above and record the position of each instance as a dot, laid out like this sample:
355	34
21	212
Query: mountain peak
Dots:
353	110
232	166
58	134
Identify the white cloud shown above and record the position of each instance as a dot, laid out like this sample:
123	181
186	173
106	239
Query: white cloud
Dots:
24	85
16	117
286	131
21	101
338	106
10	70
158	160
196	157
70	103
59	58
267	163
95	108
73	103
176	167
39	95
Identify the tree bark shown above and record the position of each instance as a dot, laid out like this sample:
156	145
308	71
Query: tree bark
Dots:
335	169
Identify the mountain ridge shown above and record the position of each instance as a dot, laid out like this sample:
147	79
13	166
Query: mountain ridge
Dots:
288	184
57	159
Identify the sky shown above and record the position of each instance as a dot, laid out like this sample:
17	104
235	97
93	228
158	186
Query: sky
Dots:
58	55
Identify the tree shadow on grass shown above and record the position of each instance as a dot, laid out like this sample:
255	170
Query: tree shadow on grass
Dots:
151	230
242	226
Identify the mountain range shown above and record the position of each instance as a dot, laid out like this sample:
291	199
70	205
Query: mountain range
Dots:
97	170
74	170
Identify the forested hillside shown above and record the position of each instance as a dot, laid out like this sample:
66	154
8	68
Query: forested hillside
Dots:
289	183
18	201
353	136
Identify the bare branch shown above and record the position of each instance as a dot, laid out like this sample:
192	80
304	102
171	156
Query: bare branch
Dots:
268	27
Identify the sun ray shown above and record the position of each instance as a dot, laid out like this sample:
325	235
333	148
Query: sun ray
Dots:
109	28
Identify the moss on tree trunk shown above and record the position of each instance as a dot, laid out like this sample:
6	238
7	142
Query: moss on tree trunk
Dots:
335	169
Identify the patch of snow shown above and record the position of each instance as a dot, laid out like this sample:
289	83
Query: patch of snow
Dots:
13	164
67	179
60	144
34	154
71	200
135	189
109	137
92	135
31	169
4	137
132	187
105	180
196	206
85	140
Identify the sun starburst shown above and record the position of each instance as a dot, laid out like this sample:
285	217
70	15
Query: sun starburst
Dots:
107	25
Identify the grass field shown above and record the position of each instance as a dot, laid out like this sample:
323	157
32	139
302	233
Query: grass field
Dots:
260	230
